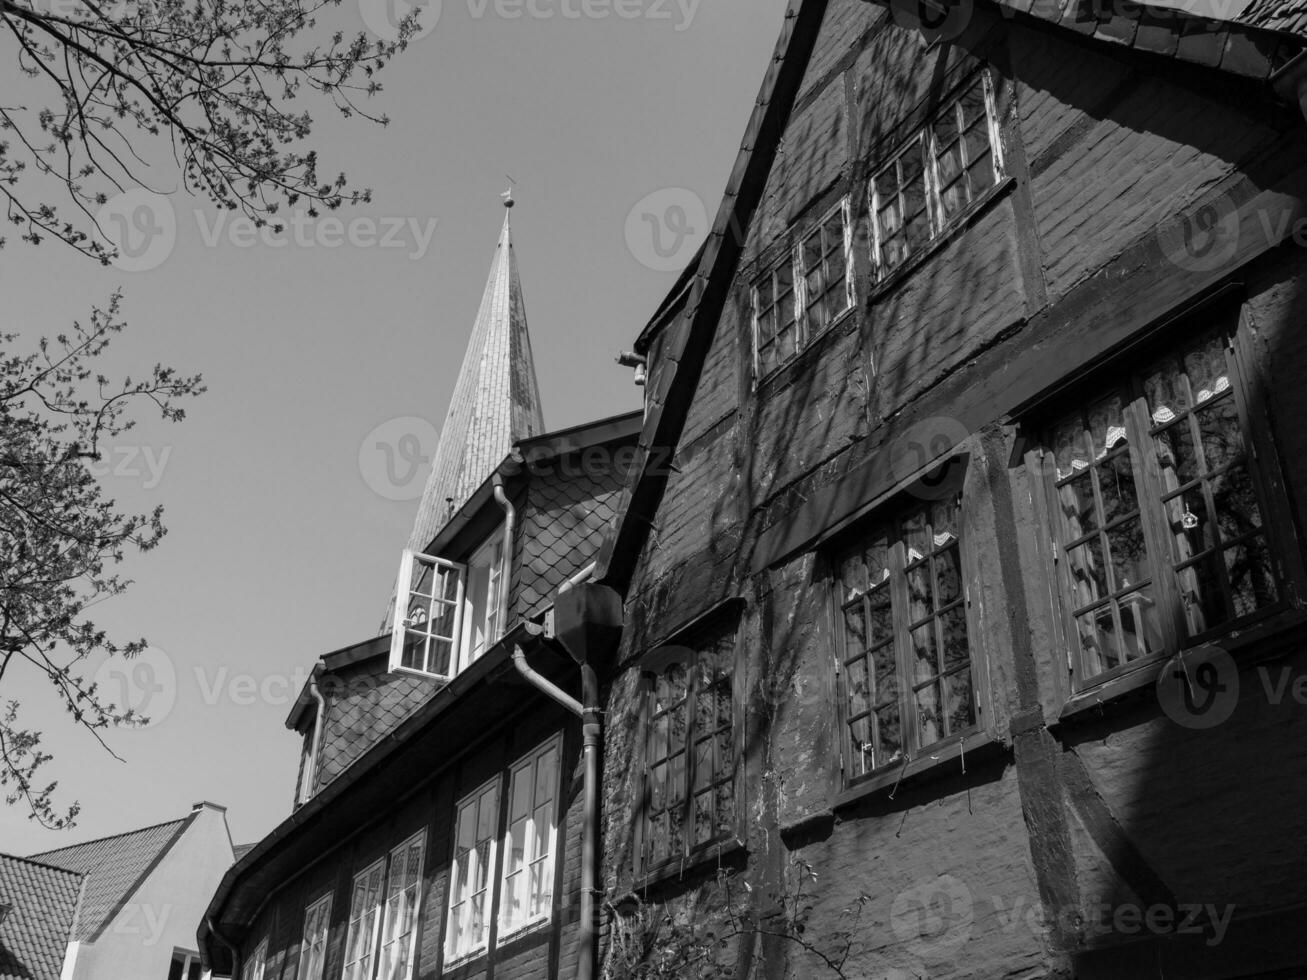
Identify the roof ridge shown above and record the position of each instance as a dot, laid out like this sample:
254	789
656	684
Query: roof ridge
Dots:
107	837
42	864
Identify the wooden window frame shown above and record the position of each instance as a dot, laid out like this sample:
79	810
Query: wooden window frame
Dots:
505	933
925	140
398	854
377	867
1260	457
887	519
685	651
308	940
805	333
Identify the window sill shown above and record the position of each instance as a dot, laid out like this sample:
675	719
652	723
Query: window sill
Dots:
1266	639
979	745
955	227
724	853
777	376
465	965
523	937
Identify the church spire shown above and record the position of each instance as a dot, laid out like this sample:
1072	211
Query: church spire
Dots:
496	400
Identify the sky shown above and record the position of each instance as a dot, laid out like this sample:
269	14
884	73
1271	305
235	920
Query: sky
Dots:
323	350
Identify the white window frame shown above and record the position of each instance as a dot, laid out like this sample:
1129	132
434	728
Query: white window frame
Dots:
311	940
804	332
453	952
254	967
530	763
465	621
491	616
924	138
188	958
389	940
357	918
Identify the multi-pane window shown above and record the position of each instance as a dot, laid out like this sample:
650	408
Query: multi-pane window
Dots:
256	962
364	911
313	946
524	892
185	965
776	325
403	894
803	292
447	614
936	176
528	890
689	798
475	826
905	656
1159	510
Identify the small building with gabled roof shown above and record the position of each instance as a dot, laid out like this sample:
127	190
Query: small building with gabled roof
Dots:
120	906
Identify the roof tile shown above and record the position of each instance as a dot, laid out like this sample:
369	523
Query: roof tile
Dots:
35	934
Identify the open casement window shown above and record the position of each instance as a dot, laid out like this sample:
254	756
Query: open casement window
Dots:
688	800
804	291
425	633
472	874
905	659
936	176
1159	508
527	895
400	915
364	916
313	945
256	963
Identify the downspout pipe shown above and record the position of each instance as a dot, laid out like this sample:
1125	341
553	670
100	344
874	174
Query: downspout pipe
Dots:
235	951
591	736
506	558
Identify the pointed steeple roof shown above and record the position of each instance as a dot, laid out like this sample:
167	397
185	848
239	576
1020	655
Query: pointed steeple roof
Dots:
496	400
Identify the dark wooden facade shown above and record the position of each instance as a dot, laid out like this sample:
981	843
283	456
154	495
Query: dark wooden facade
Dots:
1078	818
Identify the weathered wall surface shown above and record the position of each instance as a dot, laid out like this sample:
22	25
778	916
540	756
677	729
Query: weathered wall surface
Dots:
1053	825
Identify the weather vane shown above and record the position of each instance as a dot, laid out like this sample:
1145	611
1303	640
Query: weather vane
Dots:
508	194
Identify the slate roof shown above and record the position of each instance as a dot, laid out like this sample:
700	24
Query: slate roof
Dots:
113	867
240	850
35	934
1277	15
564	527
373	702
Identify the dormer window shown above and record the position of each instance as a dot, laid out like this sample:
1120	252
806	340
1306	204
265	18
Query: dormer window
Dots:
447	613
